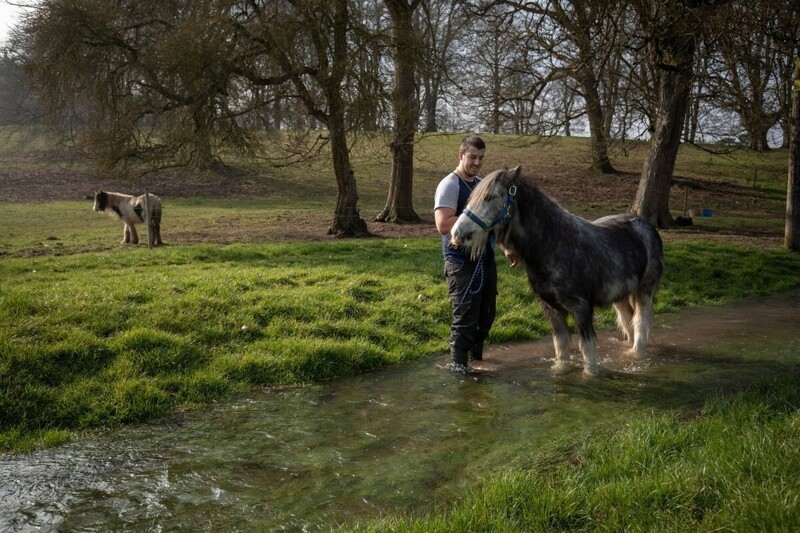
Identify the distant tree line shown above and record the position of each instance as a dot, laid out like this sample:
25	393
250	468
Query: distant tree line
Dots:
146	84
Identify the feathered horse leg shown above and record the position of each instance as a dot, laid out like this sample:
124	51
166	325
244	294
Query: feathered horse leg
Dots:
561	341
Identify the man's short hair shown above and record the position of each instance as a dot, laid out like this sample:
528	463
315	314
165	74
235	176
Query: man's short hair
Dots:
473	141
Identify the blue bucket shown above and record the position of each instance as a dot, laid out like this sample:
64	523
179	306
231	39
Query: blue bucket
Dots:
707	212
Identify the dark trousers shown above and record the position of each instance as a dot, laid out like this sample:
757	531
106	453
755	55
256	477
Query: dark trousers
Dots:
473	314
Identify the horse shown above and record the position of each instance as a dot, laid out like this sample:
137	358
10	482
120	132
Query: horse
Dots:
130	210
573	265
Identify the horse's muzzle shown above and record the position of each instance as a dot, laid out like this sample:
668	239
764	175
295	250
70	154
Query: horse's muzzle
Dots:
457	238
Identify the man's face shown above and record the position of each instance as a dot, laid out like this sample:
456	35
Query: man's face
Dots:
471	161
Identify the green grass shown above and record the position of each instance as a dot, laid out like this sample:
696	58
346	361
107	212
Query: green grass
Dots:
732	468
102	339
94	335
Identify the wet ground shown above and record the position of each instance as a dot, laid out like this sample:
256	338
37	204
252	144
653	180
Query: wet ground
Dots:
407	438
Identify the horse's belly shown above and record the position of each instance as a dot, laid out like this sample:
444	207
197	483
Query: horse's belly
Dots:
615	290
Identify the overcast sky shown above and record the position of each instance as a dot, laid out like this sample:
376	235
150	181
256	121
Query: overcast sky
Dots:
9	16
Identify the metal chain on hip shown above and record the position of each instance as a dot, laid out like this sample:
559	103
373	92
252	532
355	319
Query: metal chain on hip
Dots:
480	274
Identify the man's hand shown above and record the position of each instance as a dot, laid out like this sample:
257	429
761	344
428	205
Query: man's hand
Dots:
511	256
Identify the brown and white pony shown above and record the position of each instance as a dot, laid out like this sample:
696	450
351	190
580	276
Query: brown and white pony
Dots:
573	265
130	210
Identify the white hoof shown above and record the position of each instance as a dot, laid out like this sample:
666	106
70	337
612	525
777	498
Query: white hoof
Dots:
591	370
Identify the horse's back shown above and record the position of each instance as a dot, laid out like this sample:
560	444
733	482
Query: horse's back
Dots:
641	233
155	207
153	202
634	223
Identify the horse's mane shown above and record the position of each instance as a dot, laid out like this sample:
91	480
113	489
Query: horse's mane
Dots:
523	182
486	184
551	217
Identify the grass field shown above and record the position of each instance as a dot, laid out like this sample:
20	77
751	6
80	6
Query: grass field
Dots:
249	292
732	468
105	338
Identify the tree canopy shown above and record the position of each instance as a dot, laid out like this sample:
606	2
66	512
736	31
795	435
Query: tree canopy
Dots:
142	85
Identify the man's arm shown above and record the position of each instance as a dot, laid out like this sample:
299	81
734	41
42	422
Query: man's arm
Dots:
445	218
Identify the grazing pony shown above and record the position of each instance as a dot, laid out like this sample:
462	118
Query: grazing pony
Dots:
573	265
130	210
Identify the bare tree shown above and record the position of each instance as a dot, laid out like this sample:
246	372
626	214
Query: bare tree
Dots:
368	98
792	230
406	49
745	66
440	23
787	40
306	44
17	104
141	84
672	30
581	37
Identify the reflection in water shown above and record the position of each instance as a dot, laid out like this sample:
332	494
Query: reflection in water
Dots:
405	438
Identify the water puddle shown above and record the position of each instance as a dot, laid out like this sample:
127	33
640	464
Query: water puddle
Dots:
407	438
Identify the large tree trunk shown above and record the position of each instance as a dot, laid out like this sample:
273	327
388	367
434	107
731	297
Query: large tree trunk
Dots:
347	221
202	157
601	162
757	123
430	104
400	202
792	234
675	58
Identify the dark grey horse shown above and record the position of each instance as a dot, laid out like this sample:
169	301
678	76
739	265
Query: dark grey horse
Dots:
573	265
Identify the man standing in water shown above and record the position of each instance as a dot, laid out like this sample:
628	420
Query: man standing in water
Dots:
473	310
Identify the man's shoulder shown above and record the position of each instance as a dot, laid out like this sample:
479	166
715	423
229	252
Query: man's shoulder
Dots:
448	183
452	177
447	192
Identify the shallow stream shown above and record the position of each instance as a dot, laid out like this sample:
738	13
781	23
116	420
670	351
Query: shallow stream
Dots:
407	438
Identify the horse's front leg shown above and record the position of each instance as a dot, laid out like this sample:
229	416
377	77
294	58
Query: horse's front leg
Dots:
558	321
126	234
583	315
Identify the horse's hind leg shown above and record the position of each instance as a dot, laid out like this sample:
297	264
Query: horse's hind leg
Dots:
126	234
155	221
156	227
132	232
558	321
642	317
625	318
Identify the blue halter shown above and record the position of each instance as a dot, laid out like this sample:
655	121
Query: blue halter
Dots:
503	216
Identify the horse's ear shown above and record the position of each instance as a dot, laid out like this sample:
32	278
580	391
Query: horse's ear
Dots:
511	176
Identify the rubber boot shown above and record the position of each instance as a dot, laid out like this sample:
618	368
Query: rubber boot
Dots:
460	358
476	353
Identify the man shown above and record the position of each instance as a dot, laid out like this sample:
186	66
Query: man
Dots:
473	310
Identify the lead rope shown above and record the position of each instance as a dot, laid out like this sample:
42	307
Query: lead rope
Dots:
478	273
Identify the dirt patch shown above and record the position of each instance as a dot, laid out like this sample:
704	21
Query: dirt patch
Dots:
19	184
579	191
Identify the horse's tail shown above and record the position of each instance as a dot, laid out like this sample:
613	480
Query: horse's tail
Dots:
655	255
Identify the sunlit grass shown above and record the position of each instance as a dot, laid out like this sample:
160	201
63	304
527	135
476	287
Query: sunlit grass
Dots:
102	339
